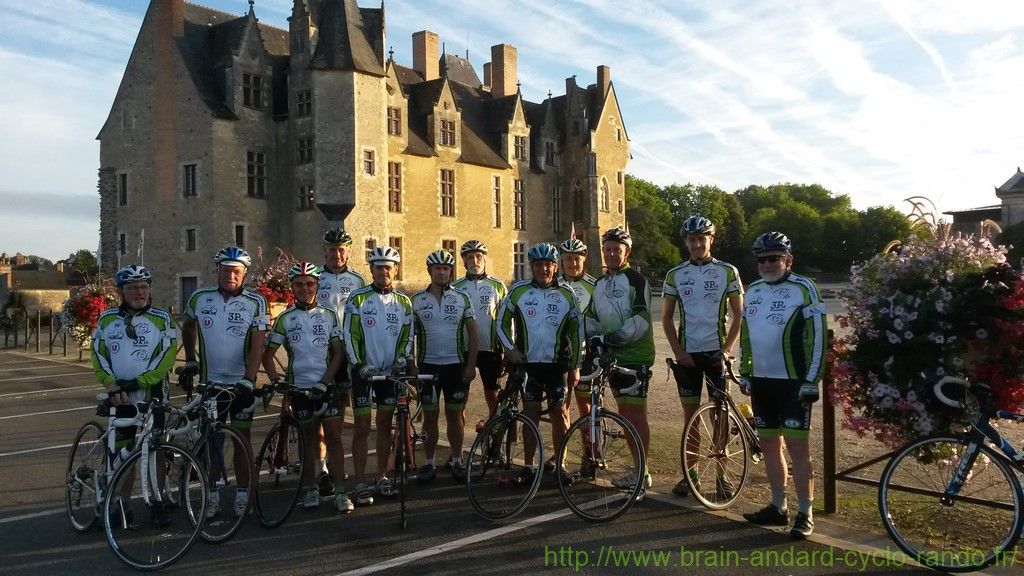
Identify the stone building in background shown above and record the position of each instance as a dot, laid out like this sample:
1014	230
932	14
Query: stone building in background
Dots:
225	131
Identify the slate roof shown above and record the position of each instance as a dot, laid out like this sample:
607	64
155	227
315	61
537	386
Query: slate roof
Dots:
1014	185
458	69
351	38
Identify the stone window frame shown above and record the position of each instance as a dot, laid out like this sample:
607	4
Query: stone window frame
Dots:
496	195
369	243
303	103
447	133
550	154
622	206
122	186
395	200
518	204
451	245
369	158
252	91
195	238
556	208
179	282
519	268
244	228
605	195
396	243
520	148
446	189
394	121
122	244
307	197
256	174
306	147
183	184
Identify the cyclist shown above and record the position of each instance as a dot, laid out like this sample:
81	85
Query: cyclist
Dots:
337	281
311	335
378	337
133	347
229	323
545	318
783	342
446	346
620	314
486	293
706	290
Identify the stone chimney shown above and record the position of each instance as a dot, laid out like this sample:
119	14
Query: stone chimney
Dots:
504	77
424	54
604	79
487	76
171	17
59	266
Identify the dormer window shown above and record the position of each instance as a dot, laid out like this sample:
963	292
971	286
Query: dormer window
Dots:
520	148
394	121
252	91
447	133
549	153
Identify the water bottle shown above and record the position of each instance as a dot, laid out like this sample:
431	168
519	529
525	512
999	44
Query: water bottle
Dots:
747	413
120	457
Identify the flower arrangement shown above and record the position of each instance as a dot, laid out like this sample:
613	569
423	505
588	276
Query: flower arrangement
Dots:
944	304
80	313
271	280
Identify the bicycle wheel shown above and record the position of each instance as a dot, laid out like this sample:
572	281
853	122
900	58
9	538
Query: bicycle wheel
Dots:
84	477
958	532
227	459
279	474
715	463
154	518
601	484
496	480
401	465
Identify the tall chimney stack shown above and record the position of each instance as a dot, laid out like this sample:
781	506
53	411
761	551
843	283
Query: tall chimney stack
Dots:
504	77
424	54
487	75
604	79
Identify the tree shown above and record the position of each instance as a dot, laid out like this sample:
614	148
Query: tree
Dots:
649	220
1013	237
879	225
84	262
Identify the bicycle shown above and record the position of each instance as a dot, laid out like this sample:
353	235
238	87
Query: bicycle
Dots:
156	506
496	479
605	450
281	459
404	452
718	440
951	501
225	453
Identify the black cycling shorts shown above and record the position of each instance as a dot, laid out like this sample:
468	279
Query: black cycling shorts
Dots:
546	381
304	408
489	365
449	382
778	410
690	380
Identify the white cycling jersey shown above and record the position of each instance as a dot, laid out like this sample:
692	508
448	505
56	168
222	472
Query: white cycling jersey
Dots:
546	322
486	294
307	335
583	287
334	289
225	328
378	327
783	334
441	326
146	358
702	292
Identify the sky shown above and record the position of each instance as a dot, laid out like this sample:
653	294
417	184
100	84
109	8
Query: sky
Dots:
880	100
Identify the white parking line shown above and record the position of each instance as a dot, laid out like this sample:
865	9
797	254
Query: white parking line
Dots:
48	391
31	515
44	367
41	377
49	359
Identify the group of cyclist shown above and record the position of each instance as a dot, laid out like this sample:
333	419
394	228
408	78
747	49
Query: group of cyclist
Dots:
341	332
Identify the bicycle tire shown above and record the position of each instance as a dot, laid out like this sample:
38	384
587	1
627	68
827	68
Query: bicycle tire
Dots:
401	475
154	535
721	458
226	523
279	474
960	535
495	482
601	487
83	477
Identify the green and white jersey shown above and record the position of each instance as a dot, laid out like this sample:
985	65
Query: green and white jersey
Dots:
378	327
441	325
486	294
783	334
620	311
334	289
307	335
546	323
702	290
583	287
225	330
147	358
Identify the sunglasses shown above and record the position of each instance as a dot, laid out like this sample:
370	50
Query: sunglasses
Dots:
769	259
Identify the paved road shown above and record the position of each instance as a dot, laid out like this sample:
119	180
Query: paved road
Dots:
44	400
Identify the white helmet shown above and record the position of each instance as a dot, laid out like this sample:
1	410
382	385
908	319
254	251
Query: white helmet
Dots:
384	255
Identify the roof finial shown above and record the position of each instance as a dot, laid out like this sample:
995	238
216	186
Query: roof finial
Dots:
391	53
251	3
549	94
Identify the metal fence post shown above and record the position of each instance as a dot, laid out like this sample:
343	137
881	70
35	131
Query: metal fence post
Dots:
39	327
828	416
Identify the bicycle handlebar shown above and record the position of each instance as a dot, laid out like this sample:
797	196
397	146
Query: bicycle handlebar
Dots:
937	389
419	377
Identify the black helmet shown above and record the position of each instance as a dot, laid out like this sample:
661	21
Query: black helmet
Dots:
697	225
337	237
772	242
618	234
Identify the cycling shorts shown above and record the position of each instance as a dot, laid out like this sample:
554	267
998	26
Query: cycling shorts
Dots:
690	379
546	381
778	410
305	408
365	394
619	382
449	382
489	365
229	403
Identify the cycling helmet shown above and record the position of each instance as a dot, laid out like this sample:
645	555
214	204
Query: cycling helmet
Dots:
772	242
473	246
618	234
541	252
697	225
132	273
440	257
384	255
573	246
303	268
337	237
231	256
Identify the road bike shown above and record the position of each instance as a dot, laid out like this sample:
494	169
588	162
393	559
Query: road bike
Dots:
155	507
281	460
601	465
717	444
403	447
952	501
499	482
226	455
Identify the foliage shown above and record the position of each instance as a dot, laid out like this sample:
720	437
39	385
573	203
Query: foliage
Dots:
81	312
944	305
1013	239
271	280
85	263
649	218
